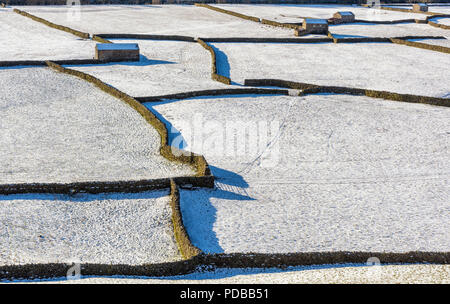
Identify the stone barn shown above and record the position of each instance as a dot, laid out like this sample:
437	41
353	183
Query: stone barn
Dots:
420	7
315	26
343	17
117	51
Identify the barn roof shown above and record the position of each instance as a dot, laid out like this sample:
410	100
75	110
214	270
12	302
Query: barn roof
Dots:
117	46
346	13
316	21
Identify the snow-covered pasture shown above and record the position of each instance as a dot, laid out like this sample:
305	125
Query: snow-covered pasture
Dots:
186	20
106	228
24	39
59	128
165	67
442	9
295	13
378	66
334	173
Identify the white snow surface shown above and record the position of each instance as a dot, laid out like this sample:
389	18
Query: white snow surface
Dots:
59	128
335	173
294	13
377	66
185	20
24	39
443	9
106	228
165	67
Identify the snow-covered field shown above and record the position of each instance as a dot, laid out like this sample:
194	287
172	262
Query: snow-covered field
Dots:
166	67
385	30
378	66
59	128
311	173
333	173
186	20
24	39
326	274
294	13
107	228
443	9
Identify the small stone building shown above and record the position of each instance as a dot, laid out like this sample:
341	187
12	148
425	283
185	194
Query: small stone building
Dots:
420	7
315	26
343	17
117	51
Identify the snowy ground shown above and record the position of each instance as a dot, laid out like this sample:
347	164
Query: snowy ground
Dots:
25	39
325	274
443	9
166	67
378	66
59	128
107	228
332	173
186	20
352	30
294	13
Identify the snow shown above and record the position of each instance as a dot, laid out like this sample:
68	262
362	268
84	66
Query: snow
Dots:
25	39
378	66
165	67
185	20
117	46
324	274
385	30
442	9
295	13
336	173
59	128
130	229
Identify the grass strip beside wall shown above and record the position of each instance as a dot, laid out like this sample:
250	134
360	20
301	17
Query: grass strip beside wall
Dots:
53	25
